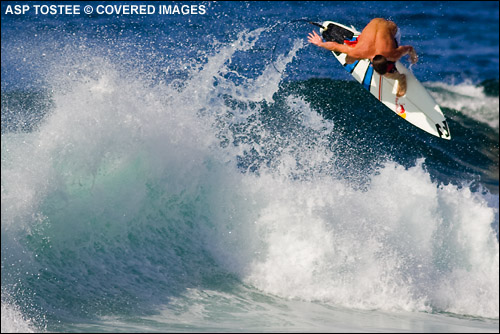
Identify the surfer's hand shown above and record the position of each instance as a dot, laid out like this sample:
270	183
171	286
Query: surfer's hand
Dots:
413	56
315	39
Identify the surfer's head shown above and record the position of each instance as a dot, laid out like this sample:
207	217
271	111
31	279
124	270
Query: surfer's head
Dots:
380	64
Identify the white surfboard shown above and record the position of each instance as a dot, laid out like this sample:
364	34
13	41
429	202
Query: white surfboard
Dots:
417	106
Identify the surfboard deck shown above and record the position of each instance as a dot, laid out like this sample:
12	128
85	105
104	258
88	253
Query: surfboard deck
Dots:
417	106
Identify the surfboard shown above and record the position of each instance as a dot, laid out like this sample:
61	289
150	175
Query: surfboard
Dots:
417	106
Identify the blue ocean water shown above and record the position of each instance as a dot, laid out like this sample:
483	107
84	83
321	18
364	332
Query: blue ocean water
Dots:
215	172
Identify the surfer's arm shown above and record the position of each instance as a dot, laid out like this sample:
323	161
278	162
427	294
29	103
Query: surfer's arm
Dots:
315	39
334	46
406	50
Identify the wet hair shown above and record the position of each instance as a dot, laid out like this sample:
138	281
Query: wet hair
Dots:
379	63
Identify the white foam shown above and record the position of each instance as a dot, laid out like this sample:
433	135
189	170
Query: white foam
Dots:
468	99
14	322
402	244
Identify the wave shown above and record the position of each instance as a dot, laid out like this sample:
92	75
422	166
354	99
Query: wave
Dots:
131	191
479	102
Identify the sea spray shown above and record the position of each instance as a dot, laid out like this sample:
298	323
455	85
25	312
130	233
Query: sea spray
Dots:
106	161
13	321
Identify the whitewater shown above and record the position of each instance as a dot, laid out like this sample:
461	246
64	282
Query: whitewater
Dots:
217	200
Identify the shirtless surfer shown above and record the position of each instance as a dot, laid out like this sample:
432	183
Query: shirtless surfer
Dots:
379	42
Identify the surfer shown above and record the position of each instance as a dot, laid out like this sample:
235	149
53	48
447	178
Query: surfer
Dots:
379	42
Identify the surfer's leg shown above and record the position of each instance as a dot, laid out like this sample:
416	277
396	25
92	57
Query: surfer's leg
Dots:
401	86
401	78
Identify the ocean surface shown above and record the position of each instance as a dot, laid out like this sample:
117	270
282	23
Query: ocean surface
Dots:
214	172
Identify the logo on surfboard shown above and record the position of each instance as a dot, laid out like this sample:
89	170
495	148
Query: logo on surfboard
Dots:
400	109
